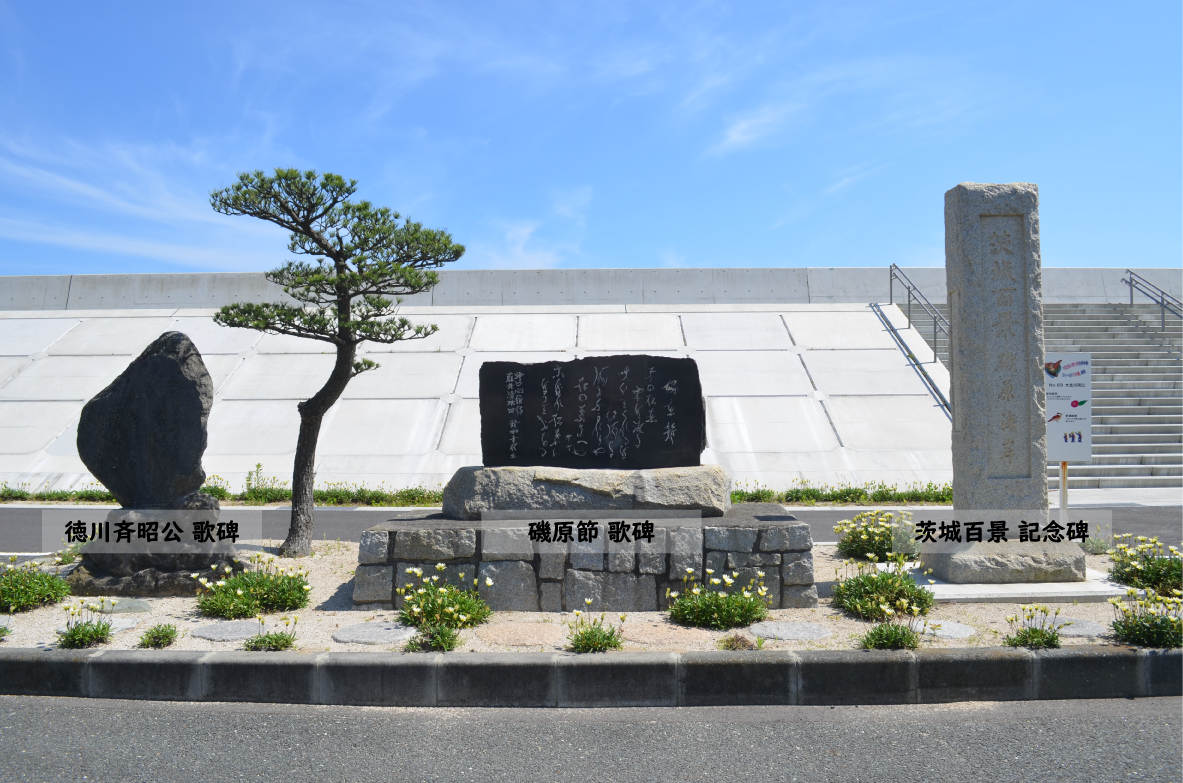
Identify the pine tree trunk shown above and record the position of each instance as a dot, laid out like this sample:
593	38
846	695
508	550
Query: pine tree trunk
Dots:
312	411
299	540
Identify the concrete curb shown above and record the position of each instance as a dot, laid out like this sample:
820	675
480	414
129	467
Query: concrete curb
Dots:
641	679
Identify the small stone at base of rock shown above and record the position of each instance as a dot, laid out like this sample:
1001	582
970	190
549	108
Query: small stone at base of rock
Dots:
118	624
229	631
944	629
796	632
124	606
1079	627
374	632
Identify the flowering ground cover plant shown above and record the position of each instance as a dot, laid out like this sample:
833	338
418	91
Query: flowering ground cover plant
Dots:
873	594
719	604
876	533
1150	621
26	587
263	587
585	635
1147	564
85	626
1036	628
434	602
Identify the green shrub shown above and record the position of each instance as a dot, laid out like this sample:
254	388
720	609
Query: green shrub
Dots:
873	594
84	627
592	636
434	638
1035	629
1147	565
891	636
26	587
266	588
434	602
4	631
1153	621
159	636
712	606
19	492
275	641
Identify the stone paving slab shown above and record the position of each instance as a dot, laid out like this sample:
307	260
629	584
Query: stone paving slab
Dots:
1079	627
1095	589
374	632
229	631
789	631
945	629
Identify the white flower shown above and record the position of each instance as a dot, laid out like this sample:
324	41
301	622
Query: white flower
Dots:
488	582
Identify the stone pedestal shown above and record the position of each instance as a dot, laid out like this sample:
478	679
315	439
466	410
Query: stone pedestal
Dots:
706	488
999	438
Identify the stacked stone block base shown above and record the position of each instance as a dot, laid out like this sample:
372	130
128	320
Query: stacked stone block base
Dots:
633	579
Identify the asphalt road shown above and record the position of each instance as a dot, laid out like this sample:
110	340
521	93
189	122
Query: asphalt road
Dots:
45	739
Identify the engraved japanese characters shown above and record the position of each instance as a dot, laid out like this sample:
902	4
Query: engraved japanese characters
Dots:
624	412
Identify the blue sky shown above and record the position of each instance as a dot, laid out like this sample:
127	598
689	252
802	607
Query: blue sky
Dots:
563	134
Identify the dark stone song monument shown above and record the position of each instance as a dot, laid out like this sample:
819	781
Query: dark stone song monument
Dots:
143	437
604	432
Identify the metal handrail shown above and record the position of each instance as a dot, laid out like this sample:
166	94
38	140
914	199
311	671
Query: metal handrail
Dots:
1144	286
914	294
933	388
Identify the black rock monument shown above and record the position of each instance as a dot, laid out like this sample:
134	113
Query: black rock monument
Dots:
143	437
626	412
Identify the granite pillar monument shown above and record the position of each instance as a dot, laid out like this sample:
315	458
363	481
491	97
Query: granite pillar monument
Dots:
995	295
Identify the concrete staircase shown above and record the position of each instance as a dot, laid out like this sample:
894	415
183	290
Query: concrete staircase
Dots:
1137	392
1137	388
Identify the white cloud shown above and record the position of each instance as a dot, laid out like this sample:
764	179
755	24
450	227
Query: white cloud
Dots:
515	249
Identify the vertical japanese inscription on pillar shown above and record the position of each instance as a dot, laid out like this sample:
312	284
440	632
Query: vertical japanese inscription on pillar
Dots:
1004	266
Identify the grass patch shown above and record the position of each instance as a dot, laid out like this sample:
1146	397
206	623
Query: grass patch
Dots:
158	637
585	635
737	641
1147	564
873	594
4	631
718	604
434	638
434	602
273	641
26	587
890	636
1152	621
1035	629
876	493
266	588
257	490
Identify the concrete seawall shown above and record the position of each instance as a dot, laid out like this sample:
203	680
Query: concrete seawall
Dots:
814	285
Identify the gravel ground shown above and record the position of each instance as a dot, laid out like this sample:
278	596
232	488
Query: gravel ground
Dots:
331	572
